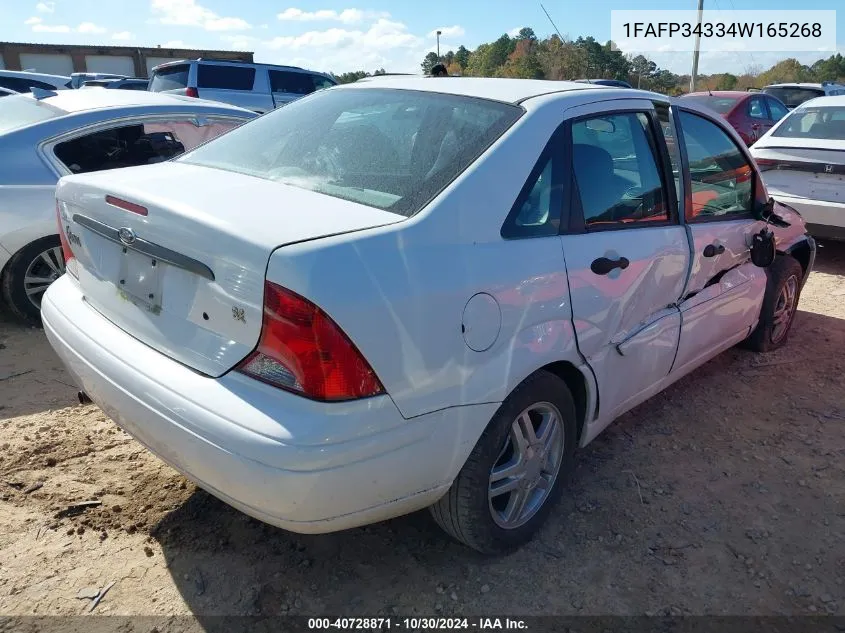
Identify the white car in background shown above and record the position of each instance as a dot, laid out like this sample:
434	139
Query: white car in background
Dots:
25	81
802	159
43	138
417	292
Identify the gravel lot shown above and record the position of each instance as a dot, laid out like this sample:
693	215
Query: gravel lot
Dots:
723	495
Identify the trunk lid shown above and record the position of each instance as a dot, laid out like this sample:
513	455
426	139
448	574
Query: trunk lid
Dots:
187	278
792	167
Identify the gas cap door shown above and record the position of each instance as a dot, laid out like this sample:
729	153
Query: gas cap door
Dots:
482	321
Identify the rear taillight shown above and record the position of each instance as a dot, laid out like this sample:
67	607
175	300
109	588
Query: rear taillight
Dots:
192	92
302	350
67	252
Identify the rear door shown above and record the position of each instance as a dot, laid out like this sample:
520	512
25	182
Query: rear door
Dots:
626	254
233	83
722	297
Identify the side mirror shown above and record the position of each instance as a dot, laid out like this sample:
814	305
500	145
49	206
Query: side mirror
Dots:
766	212
763	248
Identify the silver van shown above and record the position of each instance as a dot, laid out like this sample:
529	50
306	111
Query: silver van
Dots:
256	87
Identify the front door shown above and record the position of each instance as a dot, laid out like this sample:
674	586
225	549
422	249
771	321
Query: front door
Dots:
723	295
626	255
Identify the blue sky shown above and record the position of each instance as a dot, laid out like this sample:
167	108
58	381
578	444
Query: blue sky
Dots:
342	35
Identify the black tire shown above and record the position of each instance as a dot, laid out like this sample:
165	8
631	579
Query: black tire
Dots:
766	337
465	512
12	282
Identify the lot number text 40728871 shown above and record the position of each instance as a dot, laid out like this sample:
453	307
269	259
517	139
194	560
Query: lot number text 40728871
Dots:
417	624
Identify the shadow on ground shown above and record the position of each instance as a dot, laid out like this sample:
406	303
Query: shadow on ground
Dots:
700	501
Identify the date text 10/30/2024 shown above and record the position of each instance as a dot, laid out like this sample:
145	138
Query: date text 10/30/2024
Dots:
416	624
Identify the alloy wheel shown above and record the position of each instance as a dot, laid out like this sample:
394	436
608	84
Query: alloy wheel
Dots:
41	272
527	467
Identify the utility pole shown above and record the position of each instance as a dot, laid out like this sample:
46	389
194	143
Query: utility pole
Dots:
697	48
438	45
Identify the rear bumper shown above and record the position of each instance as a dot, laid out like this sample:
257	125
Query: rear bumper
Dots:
301	465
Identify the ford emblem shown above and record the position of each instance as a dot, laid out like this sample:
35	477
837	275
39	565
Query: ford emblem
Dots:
126	235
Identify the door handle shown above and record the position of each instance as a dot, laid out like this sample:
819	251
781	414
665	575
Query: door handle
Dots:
603	265
711	250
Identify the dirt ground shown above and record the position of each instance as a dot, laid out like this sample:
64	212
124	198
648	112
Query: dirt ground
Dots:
723	495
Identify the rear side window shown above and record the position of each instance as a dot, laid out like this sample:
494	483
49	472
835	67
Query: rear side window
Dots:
388	149
133	145
721	179
23	85
616	169
225	77
777	109
170	78
292	82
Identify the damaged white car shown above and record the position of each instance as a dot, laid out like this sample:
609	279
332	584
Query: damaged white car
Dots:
418	292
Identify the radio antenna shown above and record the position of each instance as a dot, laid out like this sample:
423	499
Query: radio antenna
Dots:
552	21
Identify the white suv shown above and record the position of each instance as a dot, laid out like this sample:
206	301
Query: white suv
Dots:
794	94
256	87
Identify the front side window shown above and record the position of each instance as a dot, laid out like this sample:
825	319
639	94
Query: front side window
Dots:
225	77
138	144
614	158
757	108
388	149
721	178
777	110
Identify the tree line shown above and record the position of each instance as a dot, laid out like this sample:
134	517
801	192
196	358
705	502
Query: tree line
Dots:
528	57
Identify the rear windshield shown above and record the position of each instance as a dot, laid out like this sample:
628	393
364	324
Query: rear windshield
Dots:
824	123
722	105
389	149
170	78
793	97
21	110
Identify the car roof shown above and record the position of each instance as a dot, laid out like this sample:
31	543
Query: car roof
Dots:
85	100
720	93
235	62
830	101
507	90
796	85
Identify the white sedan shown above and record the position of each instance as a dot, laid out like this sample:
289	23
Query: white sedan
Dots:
417	292
51	134
802	160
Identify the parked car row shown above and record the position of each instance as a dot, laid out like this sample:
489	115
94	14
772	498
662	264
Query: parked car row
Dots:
409	292
256	87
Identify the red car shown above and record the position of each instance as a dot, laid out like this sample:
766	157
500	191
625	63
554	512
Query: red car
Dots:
750	113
